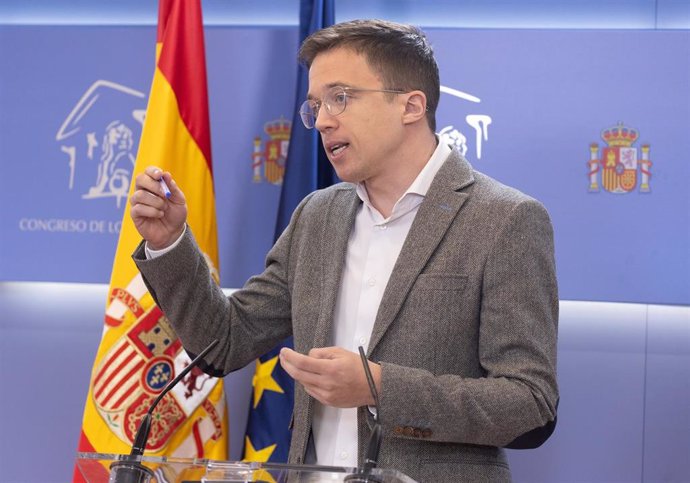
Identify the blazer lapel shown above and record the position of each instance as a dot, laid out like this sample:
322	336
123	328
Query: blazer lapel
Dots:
435	215
339	220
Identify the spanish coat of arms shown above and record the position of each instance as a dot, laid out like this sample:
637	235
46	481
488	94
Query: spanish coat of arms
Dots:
620	163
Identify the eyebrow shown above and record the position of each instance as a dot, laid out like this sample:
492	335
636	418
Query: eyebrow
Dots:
310	97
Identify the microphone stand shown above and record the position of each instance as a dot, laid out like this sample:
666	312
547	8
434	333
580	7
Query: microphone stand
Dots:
371	457
130	470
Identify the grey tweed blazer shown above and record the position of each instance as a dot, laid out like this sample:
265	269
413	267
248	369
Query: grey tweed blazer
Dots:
465	333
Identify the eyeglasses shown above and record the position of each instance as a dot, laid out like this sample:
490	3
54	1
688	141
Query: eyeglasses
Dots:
335	102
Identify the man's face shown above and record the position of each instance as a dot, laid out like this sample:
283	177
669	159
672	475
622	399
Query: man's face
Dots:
361	142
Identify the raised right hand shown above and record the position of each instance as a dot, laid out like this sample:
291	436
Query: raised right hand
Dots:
159	220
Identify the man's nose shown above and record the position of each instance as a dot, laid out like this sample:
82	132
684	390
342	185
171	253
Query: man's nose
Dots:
324	120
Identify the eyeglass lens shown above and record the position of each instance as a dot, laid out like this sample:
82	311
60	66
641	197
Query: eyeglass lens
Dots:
334	101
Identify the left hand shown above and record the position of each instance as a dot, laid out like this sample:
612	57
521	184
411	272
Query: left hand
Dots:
332	375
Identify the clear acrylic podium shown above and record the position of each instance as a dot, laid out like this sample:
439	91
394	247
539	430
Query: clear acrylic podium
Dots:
95	468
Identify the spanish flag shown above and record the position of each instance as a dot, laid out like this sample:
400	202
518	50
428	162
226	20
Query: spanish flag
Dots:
139	352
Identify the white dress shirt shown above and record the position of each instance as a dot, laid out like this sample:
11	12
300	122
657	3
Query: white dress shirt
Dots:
373	248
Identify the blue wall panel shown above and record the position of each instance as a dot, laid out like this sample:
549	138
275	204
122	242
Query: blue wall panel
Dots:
667	401
599	437
48	340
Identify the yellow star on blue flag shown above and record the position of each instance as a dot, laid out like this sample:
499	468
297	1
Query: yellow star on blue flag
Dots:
259	456
263	379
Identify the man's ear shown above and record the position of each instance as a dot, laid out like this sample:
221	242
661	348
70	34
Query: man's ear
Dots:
415	107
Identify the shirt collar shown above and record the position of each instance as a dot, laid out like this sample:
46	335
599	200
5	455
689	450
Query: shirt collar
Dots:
420	185
422	182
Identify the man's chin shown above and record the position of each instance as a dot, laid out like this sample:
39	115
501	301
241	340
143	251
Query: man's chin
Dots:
348	177
342	174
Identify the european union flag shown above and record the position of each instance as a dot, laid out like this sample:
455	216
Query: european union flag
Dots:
307	169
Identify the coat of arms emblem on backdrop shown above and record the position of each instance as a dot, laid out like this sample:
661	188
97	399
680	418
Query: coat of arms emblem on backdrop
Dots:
621	164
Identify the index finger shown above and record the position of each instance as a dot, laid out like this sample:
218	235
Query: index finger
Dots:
156	181
302	362
154	172
145	179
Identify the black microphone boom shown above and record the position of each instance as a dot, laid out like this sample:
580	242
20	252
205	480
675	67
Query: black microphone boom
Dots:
371	458
145	426
130	471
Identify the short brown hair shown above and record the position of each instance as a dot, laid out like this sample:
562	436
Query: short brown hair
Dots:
399	53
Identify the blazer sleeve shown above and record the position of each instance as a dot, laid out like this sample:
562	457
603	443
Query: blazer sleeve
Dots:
517	338
247	324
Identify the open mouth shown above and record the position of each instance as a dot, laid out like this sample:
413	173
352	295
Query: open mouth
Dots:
336	149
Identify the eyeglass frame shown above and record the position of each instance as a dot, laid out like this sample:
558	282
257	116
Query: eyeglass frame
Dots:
313	115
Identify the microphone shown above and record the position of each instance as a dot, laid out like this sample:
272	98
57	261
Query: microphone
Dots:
371	458
130	471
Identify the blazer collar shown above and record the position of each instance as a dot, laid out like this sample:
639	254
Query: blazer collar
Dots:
340	218
436	213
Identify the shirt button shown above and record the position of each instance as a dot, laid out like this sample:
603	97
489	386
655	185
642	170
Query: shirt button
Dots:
383	227
343	455
371	282
362	340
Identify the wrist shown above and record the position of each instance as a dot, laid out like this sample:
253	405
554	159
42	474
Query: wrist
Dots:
156	247
175	239
156	250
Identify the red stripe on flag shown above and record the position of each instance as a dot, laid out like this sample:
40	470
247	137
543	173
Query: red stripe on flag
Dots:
113	373
183	63
126	378
164	7
110	359
133	386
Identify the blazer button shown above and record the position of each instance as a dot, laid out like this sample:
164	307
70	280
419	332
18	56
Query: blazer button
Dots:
426	433
408	431
398	430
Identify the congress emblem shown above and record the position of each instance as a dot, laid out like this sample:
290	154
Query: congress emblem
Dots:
619	167
99	137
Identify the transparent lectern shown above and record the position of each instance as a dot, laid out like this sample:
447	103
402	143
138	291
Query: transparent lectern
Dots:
116	468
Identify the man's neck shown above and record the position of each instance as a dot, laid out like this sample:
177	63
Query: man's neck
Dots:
385	192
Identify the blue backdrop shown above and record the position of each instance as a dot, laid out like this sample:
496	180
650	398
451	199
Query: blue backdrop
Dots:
525	105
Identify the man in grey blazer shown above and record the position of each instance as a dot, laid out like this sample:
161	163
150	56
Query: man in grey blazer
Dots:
444	275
